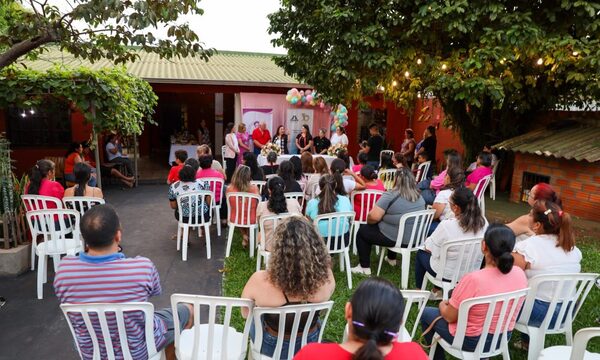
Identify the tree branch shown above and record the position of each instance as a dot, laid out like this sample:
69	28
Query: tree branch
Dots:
19	49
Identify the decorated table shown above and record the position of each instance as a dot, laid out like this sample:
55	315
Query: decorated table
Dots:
262	160
191	151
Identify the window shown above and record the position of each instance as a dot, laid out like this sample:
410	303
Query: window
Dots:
48	124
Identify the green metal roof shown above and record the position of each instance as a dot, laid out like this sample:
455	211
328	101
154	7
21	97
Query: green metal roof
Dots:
577	141
223	68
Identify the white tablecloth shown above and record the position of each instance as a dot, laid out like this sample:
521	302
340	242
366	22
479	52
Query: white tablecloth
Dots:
191	151
262	160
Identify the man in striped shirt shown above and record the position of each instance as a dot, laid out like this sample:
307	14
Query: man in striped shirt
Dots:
104	275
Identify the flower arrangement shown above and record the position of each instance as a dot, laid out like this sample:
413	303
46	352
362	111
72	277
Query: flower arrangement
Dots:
270	147
335	149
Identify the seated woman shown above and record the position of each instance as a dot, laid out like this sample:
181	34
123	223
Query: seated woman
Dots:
321	143
328	201
399	160
373	315
41	181
338	169
286	172
498	276
468	222
362	161
306	159
82	188
551	250
386	162
540	192
240	182
484	161
367	180
441	204
431	188
271	167
206	171
305	277
277	204
205	150
487	148
129	181
384	219
74	156
188	183
320	166
250	161
298	175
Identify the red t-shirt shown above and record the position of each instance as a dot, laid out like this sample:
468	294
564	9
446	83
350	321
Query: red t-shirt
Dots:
49	188
70	162
404	350
262	137
174	173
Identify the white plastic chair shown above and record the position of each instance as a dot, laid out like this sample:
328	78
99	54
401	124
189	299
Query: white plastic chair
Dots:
297	311
194	202
260	184
388	177
97	318
570	290
213	184
338	225
507	306
575	352
422	171
246	204
298	196
270	176
38	202
390	152
421	221
262	251
479	191
493	181
467	258
419	299
368	198
213	337
81	203
223	148
54	225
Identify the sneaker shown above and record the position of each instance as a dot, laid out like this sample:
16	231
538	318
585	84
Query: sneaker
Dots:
390	261
361	270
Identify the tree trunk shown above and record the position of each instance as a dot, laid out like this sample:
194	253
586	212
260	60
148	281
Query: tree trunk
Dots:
22	48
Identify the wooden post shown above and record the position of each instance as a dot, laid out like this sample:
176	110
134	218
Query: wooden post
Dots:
135	159
97	158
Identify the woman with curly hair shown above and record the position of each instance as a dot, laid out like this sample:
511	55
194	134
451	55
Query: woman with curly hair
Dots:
299	272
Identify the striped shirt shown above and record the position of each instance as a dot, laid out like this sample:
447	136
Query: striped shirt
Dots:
110	279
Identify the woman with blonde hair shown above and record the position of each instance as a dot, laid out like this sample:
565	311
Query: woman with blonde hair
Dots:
384	219
241	182
299	272
320	166
205	150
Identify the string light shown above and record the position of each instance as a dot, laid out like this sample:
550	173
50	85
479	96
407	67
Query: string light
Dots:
540	61
381	88
575	53
23	114
419	62
444	67
31	111
419	94
406	74
394	83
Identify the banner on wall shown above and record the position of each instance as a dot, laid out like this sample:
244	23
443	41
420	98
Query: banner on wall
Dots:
253	117
294	120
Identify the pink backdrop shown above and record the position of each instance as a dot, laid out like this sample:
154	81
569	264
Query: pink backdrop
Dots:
279	105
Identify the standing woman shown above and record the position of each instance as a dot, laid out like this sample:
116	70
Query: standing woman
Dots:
232	151
339	137
243	141
304	140
41	181
280	138
204	134
408	147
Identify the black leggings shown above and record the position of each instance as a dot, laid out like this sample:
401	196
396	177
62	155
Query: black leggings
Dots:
369	234
231	164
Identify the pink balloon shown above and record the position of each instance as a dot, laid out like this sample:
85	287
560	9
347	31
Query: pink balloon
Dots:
308	92
309	97
301	93
294	92
322	105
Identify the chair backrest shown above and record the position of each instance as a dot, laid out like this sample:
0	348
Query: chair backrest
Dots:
260	184
390	152
495	167
40	202
315	190
223	148
107	323
582	337
245	206
270	176
422	171
214	330
217	186
467	257
388	177
299	196
338	224
419	222
81	203
569	292
306	312
271	219
195	202
481	187
55	225
367	199
418	298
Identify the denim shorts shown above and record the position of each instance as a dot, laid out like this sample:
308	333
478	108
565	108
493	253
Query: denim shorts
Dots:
269	342
166	315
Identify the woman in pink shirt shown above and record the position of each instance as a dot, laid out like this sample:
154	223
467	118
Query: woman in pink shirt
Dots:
498	276
484	161
430	191
41	182
240	182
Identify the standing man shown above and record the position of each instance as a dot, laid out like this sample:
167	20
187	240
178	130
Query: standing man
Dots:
429	144
373	146
260	136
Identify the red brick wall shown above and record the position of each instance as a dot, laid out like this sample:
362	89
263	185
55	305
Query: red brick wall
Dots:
576	182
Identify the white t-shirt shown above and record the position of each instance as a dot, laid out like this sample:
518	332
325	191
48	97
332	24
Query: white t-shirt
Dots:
443	197
449	230
349	184
109	147
337	139
544	257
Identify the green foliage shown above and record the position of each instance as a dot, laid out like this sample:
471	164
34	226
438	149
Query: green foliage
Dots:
110	99
479	58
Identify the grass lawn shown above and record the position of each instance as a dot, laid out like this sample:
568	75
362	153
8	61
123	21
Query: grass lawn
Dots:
239	266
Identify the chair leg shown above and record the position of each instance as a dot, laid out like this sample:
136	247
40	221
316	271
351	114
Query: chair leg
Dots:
434	344
342	262
536	343
186	233
405	270
178	237
40	276
251	246
258	260
381	260
348	272
207	236
218	216
33	246
229	240
354	235
55	262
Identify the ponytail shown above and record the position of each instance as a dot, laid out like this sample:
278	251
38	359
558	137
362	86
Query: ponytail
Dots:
276	201
38	172
369	351
555	221
500	242
327	196
337	168
471	218
82	176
